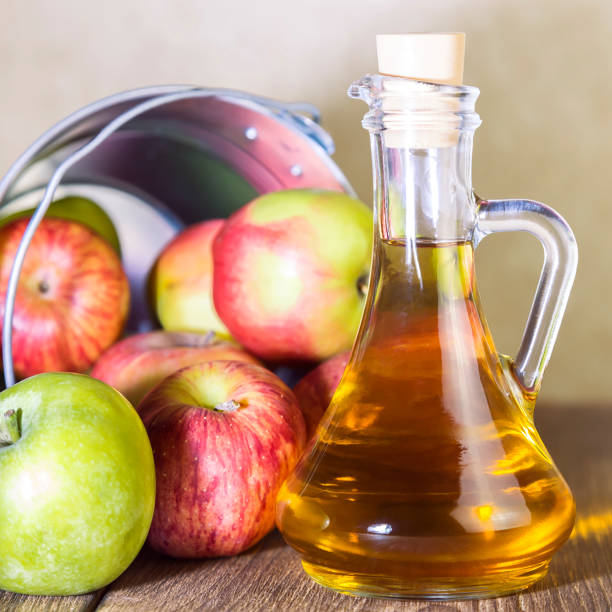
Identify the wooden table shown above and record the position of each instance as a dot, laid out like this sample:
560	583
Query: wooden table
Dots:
269	577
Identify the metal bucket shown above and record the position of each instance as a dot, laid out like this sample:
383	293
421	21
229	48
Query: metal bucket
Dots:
159	158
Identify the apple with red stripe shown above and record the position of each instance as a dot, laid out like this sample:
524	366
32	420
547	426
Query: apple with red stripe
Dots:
289	273
72	298
136	364
224	436
314	391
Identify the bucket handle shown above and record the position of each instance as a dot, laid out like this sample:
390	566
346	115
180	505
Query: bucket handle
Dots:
111	127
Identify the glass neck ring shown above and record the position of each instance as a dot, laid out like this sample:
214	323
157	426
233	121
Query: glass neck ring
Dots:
421	135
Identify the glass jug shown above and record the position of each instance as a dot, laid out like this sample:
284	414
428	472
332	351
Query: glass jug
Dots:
426	477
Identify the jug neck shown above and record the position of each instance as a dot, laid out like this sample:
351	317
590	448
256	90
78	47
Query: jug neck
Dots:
421	137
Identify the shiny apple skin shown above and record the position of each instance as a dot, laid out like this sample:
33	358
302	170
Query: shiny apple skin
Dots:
289	271
181	280
76	489
315	390
137	363
72	298
218	472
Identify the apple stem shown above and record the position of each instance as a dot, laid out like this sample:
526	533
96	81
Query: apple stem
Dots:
10	429
228	406
362	284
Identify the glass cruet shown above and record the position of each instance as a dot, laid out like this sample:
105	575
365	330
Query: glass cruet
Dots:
427	477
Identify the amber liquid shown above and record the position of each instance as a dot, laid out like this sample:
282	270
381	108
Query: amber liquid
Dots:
427	477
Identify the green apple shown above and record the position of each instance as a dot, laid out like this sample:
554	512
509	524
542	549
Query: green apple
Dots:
75	208
77	485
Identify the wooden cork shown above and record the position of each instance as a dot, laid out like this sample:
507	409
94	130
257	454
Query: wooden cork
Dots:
431	57
427	60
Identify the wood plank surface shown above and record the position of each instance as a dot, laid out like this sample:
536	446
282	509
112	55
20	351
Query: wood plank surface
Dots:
269	577
14	602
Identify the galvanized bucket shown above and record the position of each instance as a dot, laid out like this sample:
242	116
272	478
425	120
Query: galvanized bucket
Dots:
159	158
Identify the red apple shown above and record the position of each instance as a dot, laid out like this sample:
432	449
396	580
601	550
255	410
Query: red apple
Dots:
315	391
72	297
181	280
137	363
289	272
224	435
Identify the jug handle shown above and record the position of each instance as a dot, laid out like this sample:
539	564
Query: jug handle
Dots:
554	286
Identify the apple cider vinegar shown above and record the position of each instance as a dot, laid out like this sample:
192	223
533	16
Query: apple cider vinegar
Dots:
426	474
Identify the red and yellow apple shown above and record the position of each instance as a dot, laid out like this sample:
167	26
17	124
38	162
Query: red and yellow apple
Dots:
137	363
224	436
72	298
289	273
181	281
315	391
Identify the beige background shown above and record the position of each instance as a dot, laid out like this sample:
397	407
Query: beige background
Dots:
544	68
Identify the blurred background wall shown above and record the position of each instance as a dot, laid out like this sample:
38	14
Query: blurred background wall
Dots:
543	68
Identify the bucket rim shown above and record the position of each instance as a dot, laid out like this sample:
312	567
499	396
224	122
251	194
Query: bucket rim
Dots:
292	115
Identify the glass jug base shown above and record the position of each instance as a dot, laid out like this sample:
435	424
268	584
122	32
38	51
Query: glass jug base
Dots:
471	587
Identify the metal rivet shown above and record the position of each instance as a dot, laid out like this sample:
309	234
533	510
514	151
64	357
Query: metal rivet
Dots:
296	170
250	133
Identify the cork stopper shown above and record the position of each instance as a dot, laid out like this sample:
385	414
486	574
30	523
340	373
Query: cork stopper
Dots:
426	61
431	57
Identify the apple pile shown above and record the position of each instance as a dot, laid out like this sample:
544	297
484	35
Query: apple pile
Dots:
281	282
284	277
